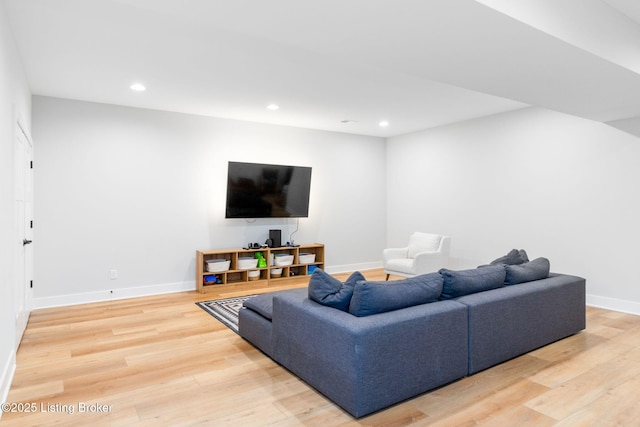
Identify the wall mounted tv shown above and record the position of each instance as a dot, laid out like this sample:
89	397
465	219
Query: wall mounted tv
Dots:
256	190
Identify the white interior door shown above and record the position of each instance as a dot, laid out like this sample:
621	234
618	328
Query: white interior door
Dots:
24	231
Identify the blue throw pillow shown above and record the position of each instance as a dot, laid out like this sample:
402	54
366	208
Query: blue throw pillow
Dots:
379	297
465	282
327	290
534	270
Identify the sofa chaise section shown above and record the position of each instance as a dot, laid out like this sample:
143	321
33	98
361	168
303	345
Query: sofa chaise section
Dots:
368	363
254	322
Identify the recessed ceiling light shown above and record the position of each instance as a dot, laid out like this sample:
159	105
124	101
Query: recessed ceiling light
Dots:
273	107
383	124
138	87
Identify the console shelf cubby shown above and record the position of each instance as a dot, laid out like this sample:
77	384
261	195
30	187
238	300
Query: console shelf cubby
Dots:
210	281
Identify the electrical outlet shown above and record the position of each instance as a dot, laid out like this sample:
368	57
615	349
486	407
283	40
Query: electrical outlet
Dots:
114	274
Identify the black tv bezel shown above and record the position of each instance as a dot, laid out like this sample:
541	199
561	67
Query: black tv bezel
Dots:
267	165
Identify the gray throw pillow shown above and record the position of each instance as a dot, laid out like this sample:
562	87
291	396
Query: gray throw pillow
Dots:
327	290
514	257
379	297
465	282
534	270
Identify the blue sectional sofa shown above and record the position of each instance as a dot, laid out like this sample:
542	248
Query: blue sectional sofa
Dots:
367	345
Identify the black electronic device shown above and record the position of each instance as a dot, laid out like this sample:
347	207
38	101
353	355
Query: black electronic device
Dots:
256	190
275	236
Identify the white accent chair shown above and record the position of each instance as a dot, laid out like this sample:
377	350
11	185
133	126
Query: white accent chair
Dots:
425	253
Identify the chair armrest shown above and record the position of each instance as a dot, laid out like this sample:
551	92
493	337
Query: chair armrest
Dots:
445	245
430	261
394	253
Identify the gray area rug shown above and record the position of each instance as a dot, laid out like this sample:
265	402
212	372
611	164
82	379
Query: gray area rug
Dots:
225	310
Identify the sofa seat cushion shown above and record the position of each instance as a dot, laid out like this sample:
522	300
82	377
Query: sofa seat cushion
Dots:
327	290
527	272
263	303
378	297
465	282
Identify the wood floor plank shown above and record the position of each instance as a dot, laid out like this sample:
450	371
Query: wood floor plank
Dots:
42	391
460	395
590	358
502	408
616	407
163	361
568	348
583	390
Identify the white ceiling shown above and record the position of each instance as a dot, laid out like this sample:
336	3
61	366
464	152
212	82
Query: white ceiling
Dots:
415	63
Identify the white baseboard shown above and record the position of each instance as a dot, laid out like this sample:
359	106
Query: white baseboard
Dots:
165	288
8	370
608	303
614	304
108	295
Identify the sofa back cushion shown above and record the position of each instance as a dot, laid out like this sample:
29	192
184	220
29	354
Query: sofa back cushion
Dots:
327	290
379	297
465	282
533	270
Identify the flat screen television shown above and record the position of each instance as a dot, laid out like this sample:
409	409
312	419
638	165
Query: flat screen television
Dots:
256	190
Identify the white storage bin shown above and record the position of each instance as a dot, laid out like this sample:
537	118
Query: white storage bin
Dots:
254	274
282	259
276	272
217	265
247	263
307	258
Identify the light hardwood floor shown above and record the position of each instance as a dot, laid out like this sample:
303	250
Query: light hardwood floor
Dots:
162	361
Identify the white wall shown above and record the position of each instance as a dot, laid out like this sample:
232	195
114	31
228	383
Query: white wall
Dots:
14	103
140	191
556	185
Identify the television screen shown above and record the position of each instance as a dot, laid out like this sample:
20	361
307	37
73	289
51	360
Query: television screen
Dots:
256	190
